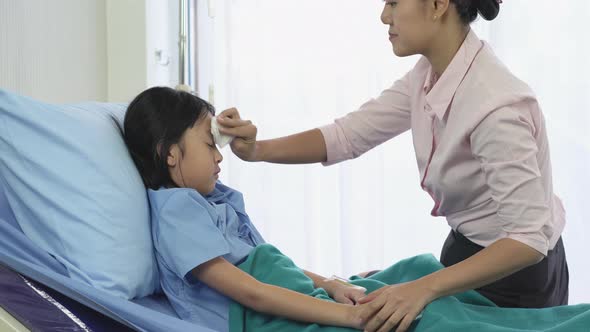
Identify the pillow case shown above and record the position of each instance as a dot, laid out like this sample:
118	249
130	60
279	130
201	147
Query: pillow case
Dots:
76	193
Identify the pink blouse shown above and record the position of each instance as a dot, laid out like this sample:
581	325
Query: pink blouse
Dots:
480	142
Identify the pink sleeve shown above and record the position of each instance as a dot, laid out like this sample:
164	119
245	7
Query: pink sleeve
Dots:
375	122
505	144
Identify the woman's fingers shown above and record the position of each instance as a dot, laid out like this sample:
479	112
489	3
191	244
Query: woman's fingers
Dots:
232	123
247	132
369	311
394	318
381	318
404	325
372	295
230	113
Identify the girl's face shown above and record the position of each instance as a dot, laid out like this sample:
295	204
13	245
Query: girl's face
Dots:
411	25
194	161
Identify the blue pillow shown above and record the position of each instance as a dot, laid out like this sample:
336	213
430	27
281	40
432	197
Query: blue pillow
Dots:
76	193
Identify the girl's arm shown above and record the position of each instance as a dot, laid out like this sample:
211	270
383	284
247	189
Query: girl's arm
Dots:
318	280
229	280
340	290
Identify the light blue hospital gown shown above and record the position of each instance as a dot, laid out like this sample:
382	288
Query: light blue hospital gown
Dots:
188	230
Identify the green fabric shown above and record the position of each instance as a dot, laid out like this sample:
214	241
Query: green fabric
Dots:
467	311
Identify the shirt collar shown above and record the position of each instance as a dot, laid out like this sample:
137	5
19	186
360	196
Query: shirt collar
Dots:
440	91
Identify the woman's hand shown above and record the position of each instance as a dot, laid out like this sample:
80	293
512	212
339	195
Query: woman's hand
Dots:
343	292
244	143
394	306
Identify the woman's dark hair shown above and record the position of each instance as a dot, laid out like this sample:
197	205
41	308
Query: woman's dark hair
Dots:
155	120
468	9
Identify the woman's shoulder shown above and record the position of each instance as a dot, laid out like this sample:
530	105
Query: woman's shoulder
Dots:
489	86
490	79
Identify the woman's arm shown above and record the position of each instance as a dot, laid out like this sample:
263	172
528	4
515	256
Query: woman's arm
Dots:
375	122
303	148
244	289
502	258
398	305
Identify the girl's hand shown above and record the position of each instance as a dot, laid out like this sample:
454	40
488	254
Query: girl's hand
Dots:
343	292
355	316
244	143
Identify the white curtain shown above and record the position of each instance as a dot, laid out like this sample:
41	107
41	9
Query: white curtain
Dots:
295	65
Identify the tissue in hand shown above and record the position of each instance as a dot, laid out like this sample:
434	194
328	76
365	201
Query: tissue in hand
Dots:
220	139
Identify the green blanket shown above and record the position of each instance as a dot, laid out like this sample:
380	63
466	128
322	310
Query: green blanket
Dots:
468	311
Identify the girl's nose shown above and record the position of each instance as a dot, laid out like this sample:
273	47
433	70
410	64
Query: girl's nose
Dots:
218	156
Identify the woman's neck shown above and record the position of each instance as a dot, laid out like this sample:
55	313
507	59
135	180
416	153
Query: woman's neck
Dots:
445	47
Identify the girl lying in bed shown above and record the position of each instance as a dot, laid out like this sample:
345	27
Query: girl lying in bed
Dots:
200	228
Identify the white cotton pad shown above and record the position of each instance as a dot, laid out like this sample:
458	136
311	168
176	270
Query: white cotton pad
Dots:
220	139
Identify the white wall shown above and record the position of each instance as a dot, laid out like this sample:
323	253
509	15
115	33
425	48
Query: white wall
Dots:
126	48
162	35
136	30
73	50
54	50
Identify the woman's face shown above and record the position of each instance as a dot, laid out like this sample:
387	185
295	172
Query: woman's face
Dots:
411	25
194	161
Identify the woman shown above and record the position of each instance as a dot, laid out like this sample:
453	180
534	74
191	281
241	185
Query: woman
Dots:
483	156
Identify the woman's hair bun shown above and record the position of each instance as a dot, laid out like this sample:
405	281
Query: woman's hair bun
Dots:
488	9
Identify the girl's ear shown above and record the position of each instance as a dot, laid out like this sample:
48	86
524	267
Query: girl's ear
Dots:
173	155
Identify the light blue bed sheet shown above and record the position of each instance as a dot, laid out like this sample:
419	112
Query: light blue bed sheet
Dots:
152	313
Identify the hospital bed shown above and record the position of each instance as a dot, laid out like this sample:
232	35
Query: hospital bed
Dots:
36	291
34	297
54	298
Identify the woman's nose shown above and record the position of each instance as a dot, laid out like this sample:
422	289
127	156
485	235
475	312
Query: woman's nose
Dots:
386	16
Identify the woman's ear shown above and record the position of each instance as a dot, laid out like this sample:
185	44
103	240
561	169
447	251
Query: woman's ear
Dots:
440	7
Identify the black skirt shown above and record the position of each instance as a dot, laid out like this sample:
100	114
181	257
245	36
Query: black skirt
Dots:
542	285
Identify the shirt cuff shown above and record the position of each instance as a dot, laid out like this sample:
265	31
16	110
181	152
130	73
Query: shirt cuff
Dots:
335	150
188	266
537	241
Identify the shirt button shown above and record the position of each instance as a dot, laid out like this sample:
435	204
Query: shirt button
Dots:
427	108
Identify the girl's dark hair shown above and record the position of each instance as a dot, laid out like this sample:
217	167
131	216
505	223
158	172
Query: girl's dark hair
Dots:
468	9
155	120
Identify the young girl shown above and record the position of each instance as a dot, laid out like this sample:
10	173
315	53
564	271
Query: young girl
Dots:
200	228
